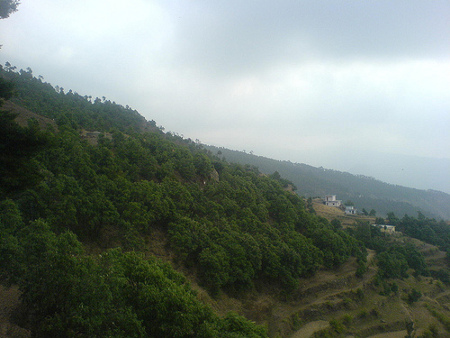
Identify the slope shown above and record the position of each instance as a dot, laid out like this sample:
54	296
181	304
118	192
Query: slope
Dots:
81	242
231	226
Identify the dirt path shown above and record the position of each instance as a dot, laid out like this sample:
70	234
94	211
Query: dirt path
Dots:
397	334
309	329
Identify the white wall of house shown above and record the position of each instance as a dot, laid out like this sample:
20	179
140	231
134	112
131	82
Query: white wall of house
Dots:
331	201
350	210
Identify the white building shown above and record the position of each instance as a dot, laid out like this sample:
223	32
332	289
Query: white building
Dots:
386	227
350	210
331	201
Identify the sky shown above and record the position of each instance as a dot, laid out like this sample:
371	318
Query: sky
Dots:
351	85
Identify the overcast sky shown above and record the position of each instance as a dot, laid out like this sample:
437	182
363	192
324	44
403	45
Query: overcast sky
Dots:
316	82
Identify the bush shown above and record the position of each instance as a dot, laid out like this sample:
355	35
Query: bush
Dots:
414	296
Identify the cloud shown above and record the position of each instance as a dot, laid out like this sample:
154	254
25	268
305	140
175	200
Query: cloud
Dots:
293	78
241	36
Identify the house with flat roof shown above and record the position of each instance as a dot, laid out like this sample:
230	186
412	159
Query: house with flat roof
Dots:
386	228
350	210
331	201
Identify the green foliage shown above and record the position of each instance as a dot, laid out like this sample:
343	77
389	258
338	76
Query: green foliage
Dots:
392	265
441	317
336	329
336	224
6	90
361	269
389	288
427	230
236	326
233	229
333	245
336	326
364	191
116	294
202	164
394	259
347	320
18	147
442	274
431	332
414	296
11	252
392	219
309	206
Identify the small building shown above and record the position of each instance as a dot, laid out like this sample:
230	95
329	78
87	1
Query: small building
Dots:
350	210
386	228
331	201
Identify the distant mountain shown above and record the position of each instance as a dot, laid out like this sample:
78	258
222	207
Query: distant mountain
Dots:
406	170
365	192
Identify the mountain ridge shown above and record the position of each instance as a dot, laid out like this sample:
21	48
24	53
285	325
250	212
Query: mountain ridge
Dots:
364	191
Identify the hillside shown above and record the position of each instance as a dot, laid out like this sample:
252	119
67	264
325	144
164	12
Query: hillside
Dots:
111	227
364	192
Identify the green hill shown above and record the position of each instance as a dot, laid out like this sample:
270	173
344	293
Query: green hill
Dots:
111	227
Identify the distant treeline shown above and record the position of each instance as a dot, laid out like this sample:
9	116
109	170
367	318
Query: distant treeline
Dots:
364	192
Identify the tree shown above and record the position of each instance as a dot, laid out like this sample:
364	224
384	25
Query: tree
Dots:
203	166
372	213
392	219
392	265
18	145
7	7
414	296
336	224
6	90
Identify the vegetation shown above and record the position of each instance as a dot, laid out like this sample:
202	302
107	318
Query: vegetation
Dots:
232	224
82	198
114	294
362	191
427	230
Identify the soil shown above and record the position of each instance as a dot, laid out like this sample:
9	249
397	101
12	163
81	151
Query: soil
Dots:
24	115
397	334
309	329
9	302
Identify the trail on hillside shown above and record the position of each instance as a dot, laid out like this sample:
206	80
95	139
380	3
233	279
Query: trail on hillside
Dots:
309	329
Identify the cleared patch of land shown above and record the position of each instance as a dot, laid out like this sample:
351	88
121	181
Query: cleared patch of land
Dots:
331	213
398	334
309	329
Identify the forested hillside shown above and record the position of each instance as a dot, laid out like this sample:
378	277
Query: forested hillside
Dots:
89	187
233	225
364	192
